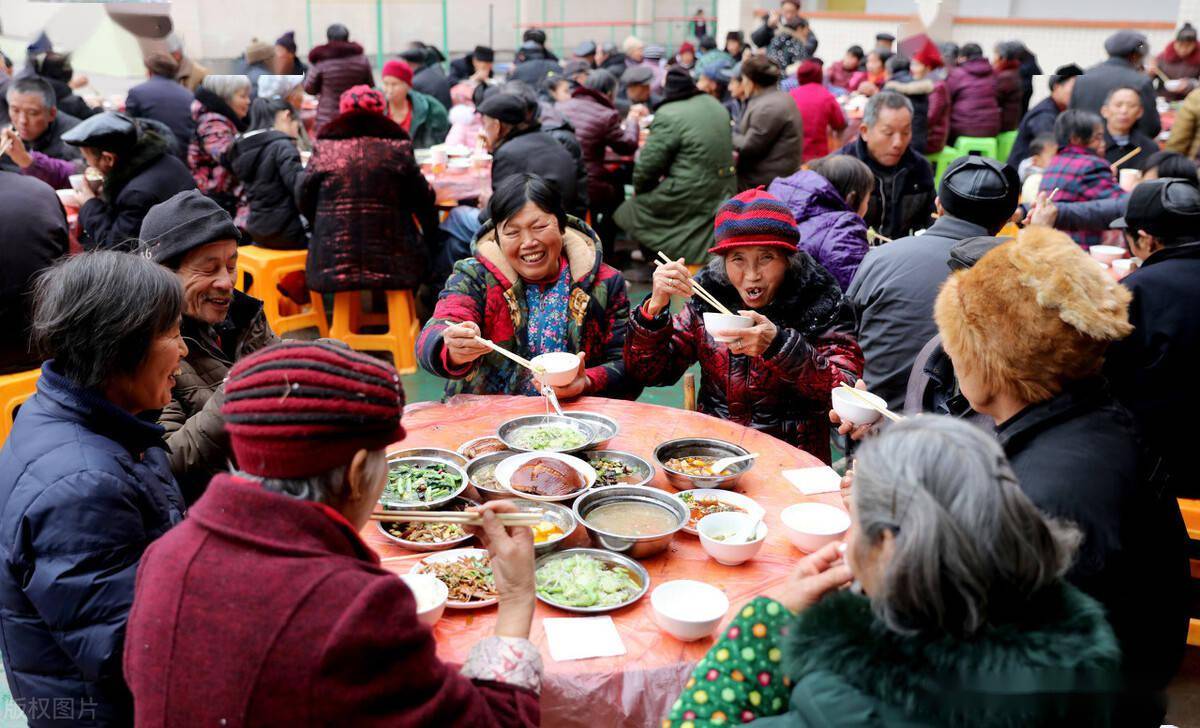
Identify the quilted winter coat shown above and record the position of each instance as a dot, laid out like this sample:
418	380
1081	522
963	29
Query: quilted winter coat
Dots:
485	289
786	391
370	208
217	127
336	66
974	110
833	234
598	127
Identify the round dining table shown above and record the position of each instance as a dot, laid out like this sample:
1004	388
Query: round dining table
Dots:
639	687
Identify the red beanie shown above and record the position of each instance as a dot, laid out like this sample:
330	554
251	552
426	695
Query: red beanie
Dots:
298	409
687	47
755	217
810	71
362	98
398	69
928	55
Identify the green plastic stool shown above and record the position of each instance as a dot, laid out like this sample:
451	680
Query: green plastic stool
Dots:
941	160
1005	142
985	146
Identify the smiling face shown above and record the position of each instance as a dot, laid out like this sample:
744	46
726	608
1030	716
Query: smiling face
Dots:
208	275
1122	111
240	103
532	243
756	271
150	385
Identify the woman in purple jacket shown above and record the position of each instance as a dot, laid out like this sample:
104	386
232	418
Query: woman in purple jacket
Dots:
828	201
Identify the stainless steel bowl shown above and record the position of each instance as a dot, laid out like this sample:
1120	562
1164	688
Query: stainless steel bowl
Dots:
492	458
430	452
637	570
391	503
606	427
560	516
506	431
644	470
466	448
703	447
458	504
638	547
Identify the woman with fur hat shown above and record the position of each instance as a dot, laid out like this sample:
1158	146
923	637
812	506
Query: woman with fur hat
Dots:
1027	328
775	376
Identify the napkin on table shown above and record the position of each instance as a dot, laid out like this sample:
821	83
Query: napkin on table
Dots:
811	481
578	638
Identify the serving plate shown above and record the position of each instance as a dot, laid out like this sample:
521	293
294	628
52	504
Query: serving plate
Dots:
458	504
508	466
436	453
746	503
509	428
455	555
642	467
391	503
606	427
637	570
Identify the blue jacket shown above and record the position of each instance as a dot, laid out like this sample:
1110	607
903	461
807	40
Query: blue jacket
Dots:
829	231
166	101
84	489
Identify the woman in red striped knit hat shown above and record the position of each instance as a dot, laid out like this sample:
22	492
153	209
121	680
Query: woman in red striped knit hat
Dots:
776	375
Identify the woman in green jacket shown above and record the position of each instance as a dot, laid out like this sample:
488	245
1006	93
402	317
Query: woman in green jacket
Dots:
958	614
422	116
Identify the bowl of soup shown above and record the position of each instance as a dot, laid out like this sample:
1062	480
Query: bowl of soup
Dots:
635	520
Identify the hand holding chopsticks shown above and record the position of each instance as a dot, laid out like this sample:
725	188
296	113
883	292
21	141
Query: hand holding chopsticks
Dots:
868	402
1136	151
515	357
698	290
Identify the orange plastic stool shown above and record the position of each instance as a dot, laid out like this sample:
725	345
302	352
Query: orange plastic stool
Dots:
266	268
400	338
14	390
1190	508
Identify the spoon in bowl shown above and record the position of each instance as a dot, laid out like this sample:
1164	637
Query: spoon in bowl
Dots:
720	466
548	391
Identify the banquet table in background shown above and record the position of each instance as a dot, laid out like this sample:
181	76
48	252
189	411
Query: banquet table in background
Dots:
454	186
638	688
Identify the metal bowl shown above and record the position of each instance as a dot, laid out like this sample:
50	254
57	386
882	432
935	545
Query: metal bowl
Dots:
704	447
643	469
560	516
637	547
430	452
606	427
509	428
390	503
458	504
637	570
492	458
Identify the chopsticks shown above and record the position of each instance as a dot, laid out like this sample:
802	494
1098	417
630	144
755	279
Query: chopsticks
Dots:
456	517
4	145
1162	76
699	289
1136	151
515	357
876	236
866	402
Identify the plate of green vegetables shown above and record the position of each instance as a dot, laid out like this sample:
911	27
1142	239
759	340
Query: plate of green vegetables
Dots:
422	482
589	580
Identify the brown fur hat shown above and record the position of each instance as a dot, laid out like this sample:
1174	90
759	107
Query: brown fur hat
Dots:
1032	315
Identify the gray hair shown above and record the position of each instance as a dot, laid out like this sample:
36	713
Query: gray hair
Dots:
98	313
970	547
34	85
328	488
174	44
885	100
226	86
601	80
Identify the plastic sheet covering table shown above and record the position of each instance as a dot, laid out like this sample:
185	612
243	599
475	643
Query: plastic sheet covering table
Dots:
636	689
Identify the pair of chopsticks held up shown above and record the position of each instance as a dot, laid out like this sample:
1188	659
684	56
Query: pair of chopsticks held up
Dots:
461	518
697	288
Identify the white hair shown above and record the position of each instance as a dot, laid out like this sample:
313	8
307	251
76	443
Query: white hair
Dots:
226	86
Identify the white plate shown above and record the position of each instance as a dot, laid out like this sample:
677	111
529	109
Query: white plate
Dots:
724	496
506	468
455	555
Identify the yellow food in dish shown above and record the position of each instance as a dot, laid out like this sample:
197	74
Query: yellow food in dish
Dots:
545	531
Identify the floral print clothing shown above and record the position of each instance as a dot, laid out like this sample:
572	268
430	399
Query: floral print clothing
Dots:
548	308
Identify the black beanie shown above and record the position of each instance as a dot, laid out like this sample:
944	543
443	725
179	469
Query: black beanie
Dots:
185	222
980	190
288	41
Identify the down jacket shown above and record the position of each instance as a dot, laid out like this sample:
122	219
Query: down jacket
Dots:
833	234
371	209
85	487
268	164
1008	94
486	289
598	127
1185	134
216	128
769	139
786	391
192	423
336	66
974	111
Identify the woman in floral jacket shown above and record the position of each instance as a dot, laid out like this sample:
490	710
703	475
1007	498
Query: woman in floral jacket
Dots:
537	284
777	375
220	109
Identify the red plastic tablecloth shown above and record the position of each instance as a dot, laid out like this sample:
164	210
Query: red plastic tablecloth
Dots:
638	688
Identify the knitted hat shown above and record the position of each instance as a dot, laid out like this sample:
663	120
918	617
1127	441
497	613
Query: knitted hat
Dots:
755	217
288	41
362	98
810	71
928	55
300	408
686	47
398	69
182	223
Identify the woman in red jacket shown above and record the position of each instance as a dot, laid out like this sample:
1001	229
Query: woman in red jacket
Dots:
819	109
265	607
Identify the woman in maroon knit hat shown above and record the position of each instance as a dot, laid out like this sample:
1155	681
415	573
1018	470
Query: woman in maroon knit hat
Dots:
266	608
776	375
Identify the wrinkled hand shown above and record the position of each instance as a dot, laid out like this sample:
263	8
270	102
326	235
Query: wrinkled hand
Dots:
847	487
753	341
637	112
460	343
818	574
670	279
511	551
78	81
1044	211
89	190
16	148
577	387
856	432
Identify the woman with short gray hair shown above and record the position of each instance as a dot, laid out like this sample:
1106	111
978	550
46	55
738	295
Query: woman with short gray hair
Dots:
85	485
220	109
959	614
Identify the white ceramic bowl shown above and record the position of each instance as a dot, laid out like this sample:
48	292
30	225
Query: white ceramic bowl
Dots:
730	553
1106	253
1123	266
851	409
508	466
809	526
430	594
723	322
560	367
688	610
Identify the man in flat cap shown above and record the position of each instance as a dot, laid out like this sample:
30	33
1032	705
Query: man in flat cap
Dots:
129	171
1126	50
476	65
586	52
635	89
885	42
